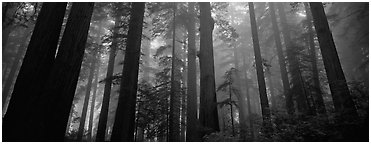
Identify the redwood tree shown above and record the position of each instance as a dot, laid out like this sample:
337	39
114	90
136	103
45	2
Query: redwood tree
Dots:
191	77
343	102
36	66
55	105
208	102
102	124
281	60
123	128
259	70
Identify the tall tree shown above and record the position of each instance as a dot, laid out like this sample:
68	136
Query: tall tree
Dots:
92	105
281	60
208	102
54	108
174	131
84	111
36	66
191	78
318	99
102	124
297	88
344	105
123	128
259	71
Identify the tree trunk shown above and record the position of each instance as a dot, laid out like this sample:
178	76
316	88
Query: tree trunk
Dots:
318	94
208	102
247	85
60	88
174	122
344	105
80	133
297	89
123	128
259	70
281	60
192	131
102	124
32	75
92	105
241	97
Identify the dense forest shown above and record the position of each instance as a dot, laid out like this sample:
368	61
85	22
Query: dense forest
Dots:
185	71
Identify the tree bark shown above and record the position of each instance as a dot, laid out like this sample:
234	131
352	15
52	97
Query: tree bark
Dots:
36	66
123	128
192	122
281	60
343	102
80	133
102	124
297	89
61	85
208	102
259	70
313	54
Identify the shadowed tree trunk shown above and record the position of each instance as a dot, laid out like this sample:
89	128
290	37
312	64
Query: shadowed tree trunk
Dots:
297	88
102	124
174	122
281	60
259	70
344	105
192	122
123	128
208	102
249	111
60	88
318	99
35	67
80	133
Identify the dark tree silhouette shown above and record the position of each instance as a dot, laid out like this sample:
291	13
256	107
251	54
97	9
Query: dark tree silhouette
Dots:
59	90
102	124
344	105
318	99
18	121
192	122
123	128
208	104
174	127
281	60
259	71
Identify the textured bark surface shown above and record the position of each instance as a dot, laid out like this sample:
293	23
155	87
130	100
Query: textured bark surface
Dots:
102	124
318	99
281	60
208	102
123	128
36	66
343	102
61	85
259	70
192	122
